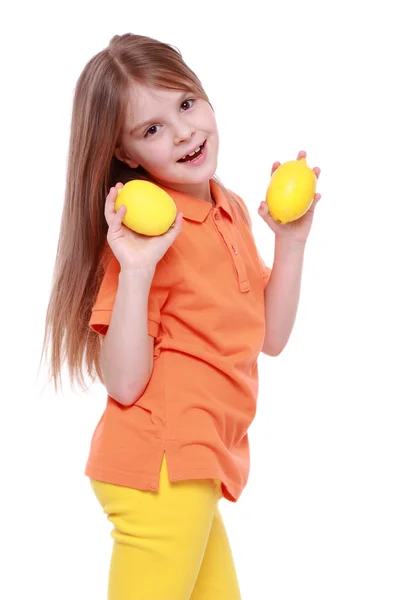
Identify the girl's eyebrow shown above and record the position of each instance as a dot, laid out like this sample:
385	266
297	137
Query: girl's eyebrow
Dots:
150	121
144	124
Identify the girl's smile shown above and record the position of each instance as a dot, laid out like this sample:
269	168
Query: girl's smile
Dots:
195	157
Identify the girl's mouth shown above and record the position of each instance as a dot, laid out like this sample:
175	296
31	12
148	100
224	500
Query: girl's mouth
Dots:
195	156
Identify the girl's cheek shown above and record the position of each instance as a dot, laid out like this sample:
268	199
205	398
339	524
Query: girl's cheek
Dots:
157	158
161	155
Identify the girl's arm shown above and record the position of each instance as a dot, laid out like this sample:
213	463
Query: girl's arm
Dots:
281	296
126	357
282	293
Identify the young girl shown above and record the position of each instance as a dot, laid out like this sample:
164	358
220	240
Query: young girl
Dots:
171	325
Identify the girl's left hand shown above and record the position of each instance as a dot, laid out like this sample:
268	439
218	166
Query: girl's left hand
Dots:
295	230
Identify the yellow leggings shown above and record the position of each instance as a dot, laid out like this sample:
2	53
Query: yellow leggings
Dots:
170	544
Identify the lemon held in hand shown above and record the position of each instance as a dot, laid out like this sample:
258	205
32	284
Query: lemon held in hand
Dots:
291	191
149	209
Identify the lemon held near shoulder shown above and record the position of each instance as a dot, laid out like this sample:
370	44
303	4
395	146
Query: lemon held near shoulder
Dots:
149	209
291	191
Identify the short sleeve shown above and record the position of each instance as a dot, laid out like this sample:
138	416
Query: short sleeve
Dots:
104	303
266	271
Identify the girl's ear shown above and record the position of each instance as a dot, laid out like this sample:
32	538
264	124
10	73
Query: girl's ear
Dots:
125	158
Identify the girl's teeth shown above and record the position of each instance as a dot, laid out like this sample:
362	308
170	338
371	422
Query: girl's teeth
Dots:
192	153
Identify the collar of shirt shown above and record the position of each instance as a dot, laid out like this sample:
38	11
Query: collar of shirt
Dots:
195	209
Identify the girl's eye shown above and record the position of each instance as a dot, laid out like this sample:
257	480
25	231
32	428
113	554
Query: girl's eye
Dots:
187	102
151	131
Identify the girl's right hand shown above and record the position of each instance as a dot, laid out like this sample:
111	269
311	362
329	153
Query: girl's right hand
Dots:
133	250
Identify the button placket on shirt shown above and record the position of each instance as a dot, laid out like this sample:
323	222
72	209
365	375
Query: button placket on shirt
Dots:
244	285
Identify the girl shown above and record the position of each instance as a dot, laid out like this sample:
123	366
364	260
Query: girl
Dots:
171	325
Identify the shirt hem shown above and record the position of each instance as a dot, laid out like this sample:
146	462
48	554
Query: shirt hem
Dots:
146	483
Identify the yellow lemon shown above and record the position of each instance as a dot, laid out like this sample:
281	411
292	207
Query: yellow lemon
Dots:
291	191
149	209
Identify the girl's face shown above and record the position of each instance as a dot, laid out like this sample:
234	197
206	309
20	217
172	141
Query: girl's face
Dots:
161	127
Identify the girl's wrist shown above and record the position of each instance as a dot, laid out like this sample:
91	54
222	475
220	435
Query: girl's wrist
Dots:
289	244
137	273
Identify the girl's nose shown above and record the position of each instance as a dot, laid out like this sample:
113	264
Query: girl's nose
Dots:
184	134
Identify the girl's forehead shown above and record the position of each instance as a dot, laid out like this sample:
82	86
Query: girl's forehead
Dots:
145	102
141	94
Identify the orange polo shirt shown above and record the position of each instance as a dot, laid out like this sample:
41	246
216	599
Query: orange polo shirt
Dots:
206	313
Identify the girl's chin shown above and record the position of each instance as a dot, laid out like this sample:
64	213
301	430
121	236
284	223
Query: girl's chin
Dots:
196	174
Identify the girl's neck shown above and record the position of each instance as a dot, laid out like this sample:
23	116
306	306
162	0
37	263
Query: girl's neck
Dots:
201	191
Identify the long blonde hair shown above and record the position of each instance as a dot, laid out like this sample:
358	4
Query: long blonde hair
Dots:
99	104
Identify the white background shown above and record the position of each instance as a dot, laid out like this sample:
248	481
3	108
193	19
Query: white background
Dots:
319	518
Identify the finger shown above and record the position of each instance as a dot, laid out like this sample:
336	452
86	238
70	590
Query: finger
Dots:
178	221
263	210
314	203
111	194
301	154
177	224
275	166
109	204
109	209
116	221
264	213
